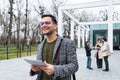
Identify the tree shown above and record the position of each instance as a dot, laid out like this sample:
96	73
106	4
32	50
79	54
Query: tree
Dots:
55	6
26	15
4	26
39	8
104	14
10	26
17	17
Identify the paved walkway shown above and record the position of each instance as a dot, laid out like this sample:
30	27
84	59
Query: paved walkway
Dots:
98	74
18	69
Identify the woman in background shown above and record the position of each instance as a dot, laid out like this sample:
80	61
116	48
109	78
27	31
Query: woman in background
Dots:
88	54
98	59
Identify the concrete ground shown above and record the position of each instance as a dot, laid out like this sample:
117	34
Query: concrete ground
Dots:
18	69
97	74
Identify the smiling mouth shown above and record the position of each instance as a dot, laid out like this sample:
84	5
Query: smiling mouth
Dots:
44	29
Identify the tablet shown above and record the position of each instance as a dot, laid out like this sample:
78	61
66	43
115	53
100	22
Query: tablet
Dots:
35	62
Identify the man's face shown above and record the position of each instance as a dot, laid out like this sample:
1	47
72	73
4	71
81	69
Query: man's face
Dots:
47	26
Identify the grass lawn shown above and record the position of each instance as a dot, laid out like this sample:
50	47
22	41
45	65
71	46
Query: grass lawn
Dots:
14	53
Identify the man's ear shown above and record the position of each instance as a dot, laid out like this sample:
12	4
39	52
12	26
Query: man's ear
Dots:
55	27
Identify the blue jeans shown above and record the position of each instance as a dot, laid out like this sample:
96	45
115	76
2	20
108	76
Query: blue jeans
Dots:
89	60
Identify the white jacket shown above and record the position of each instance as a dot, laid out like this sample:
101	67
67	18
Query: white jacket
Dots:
105	49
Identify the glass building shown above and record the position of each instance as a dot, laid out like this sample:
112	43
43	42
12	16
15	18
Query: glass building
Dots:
100	30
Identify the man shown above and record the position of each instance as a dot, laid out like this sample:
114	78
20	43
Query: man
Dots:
48	50
106	52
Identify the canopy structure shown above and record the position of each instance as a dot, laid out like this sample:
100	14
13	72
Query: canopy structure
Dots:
102	3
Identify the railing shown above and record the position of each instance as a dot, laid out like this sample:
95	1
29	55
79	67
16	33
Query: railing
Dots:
15	53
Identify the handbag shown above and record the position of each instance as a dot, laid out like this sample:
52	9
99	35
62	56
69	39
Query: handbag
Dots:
100	54
57	58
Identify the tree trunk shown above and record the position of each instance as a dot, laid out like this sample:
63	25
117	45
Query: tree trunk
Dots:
10	26
18	32
24	41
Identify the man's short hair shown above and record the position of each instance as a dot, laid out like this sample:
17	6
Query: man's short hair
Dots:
51	16
104	39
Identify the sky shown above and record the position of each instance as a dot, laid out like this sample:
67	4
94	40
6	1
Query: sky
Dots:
5	3
79	1
46	2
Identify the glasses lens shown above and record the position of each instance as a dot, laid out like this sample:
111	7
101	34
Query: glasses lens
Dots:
47	23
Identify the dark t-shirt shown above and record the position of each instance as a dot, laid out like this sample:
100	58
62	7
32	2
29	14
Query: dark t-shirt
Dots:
47	56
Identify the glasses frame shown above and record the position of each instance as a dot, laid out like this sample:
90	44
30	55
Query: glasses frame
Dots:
46	23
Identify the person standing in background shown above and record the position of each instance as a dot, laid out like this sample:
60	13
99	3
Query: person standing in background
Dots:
106	53
88	54
98	59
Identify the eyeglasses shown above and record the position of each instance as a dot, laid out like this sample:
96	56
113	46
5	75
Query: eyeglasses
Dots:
46	22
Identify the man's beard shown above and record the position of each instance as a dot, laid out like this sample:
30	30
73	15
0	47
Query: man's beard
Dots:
48	33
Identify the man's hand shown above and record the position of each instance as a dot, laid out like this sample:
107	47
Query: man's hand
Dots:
49	69
35	68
